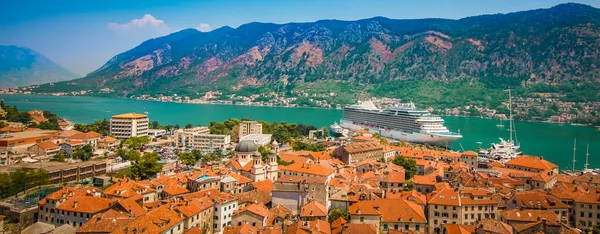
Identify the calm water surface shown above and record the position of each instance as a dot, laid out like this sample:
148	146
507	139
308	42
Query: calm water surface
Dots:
554	142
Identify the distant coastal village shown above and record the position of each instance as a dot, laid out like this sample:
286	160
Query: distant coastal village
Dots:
542	107
131	174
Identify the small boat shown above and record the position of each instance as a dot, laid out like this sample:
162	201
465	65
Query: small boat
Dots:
336	128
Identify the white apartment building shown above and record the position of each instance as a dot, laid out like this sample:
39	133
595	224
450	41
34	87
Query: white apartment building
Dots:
225	205
185	137
128	125
156	133
208	143
249	127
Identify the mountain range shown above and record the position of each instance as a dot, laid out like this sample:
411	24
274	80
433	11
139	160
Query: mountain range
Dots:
22	66
551	46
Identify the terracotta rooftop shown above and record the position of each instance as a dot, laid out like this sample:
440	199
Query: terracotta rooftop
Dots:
255	208
131	115
362	147
446	196
459	229
85	204
360	228
155	221
313	209
538	200
106	222
532	162
529	215
495	226
47	145
390	210
308	168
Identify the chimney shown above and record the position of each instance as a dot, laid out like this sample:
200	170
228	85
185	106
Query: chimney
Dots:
75	204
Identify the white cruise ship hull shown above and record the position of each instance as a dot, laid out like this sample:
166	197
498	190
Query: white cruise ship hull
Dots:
416	137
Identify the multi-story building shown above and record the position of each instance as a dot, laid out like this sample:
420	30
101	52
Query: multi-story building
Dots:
249	127
389	215
225	205
532	164
197	212
541	200
44	149
128	125
185	137
61	173
15	145
358	152
293	192
209	143
72	206
253	214
450	206
586	210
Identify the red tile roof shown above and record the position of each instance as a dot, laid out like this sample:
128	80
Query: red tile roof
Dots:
390	210
155	221
532	162
313	209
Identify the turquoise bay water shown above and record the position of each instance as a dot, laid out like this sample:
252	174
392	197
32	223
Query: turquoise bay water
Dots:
552	141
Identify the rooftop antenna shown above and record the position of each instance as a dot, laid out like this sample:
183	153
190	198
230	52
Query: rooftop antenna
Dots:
587	155
574	150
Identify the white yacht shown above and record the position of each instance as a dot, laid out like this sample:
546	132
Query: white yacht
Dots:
505	150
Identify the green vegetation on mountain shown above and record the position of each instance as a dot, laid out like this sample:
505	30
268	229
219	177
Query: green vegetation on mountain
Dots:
433	62
22	66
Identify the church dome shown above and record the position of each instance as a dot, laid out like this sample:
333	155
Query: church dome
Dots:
272	152
246	146
256	154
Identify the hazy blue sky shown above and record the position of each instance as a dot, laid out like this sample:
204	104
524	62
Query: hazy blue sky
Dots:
82	35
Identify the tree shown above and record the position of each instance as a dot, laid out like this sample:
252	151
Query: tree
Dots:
132	155
188	125
187	158
325	132
197	154
264	153
146	167
298	145
84	153
136	142
60	156
596	229
120	152
410	165
336	214
176	126
20	180
154	125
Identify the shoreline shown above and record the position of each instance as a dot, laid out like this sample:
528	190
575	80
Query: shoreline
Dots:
297	107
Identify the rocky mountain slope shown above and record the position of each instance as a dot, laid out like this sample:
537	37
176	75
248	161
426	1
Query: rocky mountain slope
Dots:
22	66
555	45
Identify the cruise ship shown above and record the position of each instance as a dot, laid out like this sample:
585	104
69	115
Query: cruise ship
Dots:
403	122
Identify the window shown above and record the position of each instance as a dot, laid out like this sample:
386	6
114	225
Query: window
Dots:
417	227
396	226
385	226
406	227
362	219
